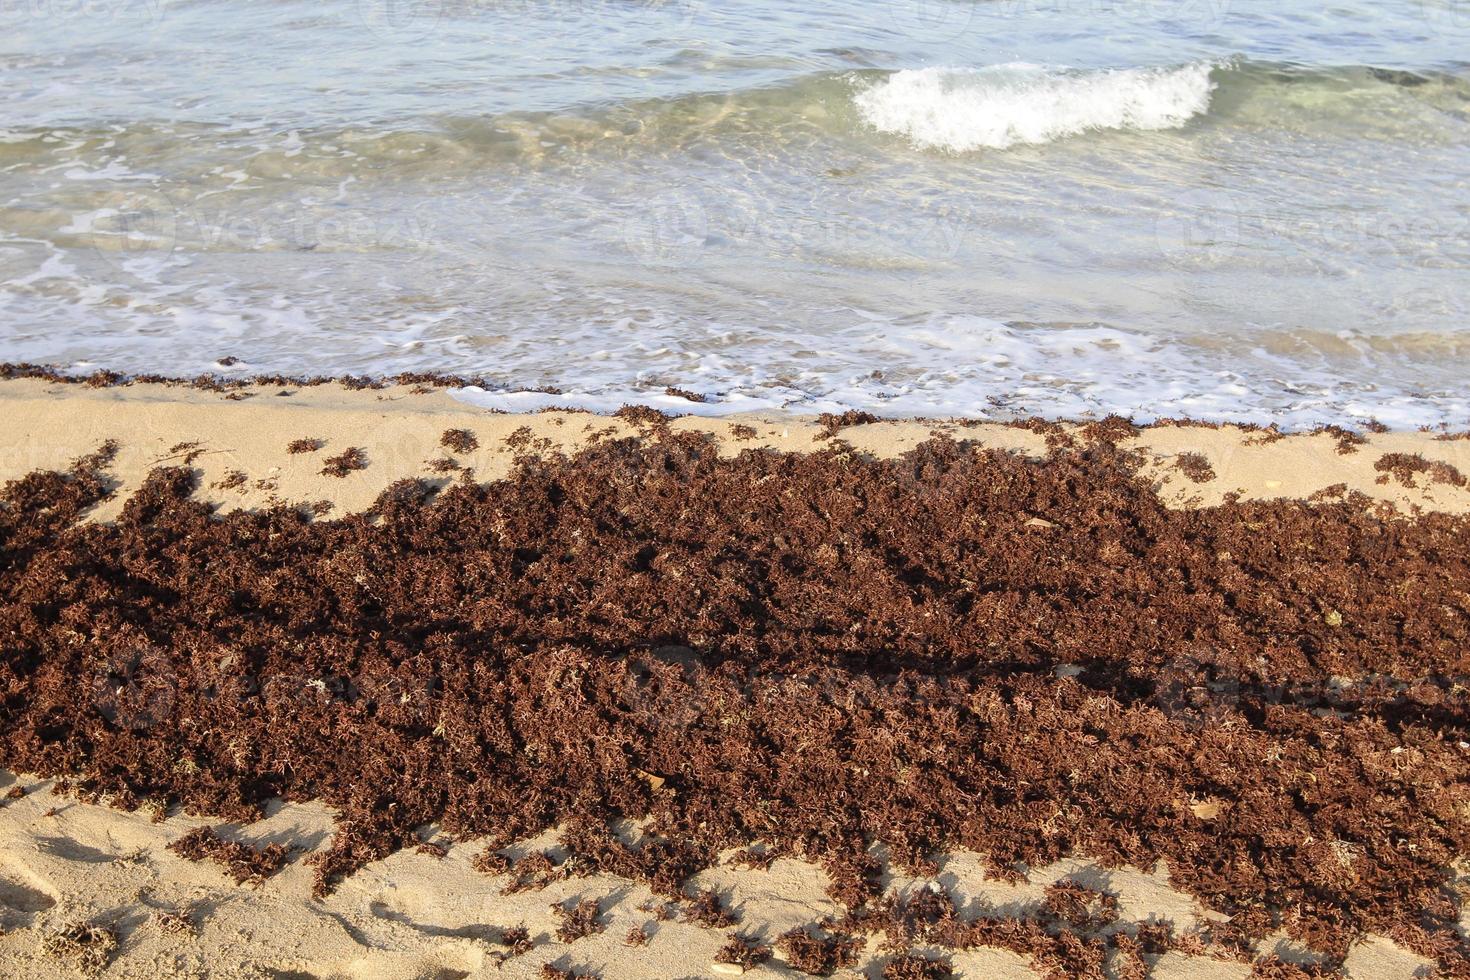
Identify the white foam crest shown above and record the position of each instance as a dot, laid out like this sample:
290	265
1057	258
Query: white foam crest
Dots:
137	318
963	109
973	367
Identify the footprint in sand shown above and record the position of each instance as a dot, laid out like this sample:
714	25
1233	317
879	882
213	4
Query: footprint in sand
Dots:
20	904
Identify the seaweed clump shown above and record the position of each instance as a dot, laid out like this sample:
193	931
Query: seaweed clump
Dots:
815	653
744	952
1404	467
244	864
819	955
87	947
351	459
1195	466
578	920
459	441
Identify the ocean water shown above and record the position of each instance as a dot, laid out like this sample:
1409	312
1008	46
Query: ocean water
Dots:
1222	209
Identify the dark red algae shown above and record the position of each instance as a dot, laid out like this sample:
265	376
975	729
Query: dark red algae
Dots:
811	653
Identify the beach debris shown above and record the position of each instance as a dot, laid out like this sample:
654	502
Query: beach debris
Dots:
1195	467
459	441
819	955
1335	491
244	864
1082	908
831	422
298	446
1404	467
867	654
190	451
349	460
517	942
741	952
534	872
175	923
1348	441
432	848
912	966
753	859
231	480
1110	431
550	972
86	947
662	911
650	421
578	920
491	862
1207	809
707	908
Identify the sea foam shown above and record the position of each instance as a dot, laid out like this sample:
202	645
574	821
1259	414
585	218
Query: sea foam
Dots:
963	109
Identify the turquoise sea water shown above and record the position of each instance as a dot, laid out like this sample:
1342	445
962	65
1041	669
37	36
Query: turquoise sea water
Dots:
1216	208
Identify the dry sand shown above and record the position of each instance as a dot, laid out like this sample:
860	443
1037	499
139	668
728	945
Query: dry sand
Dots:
417	916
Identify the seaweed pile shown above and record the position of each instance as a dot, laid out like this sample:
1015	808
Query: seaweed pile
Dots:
957	648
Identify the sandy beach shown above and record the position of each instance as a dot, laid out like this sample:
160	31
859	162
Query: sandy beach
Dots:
248	430
667	490
778	695
417	915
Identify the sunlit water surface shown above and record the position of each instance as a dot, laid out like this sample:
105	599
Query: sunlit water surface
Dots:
1215	208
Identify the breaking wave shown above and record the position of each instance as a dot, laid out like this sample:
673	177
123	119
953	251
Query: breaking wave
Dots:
963	109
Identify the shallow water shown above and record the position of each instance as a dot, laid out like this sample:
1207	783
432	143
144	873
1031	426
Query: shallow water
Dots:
1215	208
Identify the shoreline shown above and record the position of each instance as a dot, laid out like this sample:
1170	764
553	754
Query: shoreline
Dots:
632	639
674	402
238	442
